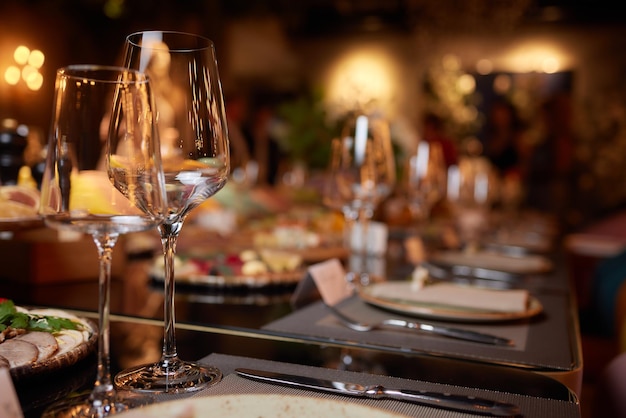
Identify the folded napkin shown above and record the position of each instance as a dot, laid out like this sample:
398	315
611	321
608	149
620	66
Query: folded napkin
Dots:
454	295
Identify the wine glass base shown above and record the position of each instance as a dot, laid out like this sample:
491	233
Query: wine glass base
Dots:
81	406
172	377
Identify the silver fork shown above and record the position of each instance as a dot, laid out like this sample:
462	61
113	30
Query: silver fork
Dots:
450	332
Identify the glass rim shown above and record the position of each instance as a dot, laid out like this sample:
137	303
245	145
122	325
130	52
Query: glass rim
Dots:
91	71
202	42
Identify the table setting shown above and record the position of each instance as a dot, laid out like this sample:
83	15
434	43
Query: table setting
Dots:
123	173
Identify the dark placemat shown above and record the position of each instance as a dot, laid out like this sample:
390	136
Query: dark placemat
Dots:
536	407
542	342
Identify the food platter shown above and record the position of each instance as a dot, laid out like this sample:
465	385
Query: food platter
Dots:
72	348
245	270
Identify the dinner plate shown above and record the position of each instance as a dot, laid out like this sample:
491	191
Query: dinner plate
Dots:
255	406
385	295
63	360
490	260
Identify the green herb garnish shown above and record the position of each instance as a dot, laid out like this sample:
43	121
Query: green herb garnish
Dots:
10	317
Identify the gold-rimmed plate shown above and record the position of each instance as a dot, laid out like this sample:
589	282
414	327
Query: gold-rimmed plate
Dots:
385	295
257	405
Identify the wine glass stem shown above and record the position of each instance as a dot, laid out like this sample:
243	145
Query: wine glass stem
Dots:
103	393
364	217
169	236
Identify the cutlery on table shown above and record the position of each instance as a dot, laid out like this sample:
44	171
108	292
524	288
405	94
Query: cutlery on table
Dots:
450	332
454	402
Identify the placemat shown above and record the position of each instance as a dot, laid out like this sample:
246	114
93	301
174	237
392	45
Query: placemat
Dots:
232	384
541	342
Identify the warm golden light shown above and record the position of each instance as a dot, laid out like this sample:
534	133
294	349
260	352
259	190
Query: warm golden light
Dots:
28	71
466	84
12	75
21	55
363	77
27	68
550	65
502	83
536	55
484	66
36	58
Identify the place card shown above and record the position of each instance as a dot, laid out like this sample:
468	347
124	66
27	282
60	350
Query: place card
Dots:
327	280
9	403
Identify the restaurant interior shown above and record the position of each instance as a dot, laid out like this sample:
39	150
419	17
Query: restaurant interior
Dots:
292	74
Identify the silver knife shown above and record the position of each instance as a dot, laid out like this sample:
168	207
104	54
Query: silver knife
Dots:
454	402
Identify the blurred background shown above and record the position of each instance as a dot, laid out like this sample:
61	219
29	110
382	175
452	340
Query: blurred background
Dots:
558	65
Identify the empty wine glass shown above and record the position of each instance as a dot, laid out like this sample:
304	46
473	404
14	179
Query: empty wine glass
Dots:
425	179
471	191
196	161
94	108
361	174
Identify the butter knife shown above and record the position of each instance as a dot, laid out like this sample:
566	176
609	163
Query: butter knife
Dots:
471	404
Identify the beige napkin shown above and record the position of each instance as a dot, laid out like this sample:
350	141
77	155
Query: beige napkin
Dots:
456	295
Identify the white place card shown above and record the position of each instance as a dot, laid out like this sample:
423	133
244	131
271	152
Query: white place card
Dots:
326	279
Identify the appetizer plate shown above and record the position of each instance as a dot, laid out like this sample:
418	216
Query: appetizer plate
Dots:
64	357
385	295
255	406
226	271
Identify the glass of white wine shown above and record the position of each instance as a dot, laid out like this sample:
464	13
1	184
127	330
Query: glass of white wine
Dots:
96	108
196	161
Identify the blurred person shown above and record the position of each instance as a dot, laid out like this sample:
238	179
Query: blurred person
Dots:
237	111
263	144
503	137
550	161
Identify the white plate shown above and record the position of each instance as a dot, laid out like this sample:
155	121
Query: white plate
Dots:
256	406
526	264
375	295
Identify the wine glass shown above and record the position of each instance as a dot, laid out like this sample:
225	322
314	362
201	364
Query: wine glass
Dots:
425	179
361	174
97	107
471	191
196	161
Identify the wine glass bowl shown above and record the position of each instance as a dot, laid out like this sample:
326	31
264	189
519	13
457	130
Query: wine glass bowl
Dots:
97	108
196	163
471	191
425	179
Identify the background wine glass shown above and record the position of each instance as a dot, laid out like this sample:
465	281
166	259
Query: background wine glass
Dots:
471	191
425	179
195	151
97	107
361	174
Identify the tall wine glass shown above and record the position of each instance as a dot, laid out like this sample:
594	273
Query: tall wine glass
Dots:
471	191
361	174
195	150
425	179
94	108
